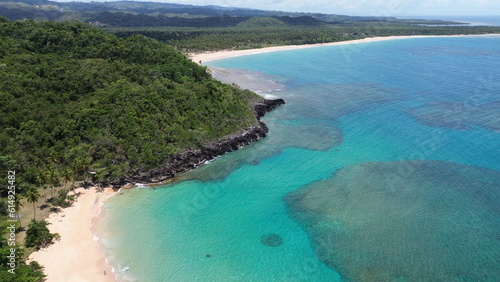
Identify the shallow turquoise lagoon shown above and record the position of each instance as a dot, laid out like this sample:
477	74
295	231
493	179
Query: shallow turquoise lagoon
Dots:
383	165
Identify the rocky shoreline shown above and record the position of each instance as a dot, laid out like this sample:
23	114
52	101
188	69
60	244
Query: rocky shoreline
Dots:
190	159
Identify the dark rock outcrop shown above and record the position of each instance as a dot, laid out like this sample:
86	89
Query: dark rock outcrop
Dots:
268	105
190	159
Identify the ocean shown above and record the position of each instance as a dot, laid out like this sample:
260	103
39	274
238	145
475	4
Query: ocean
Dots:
383	165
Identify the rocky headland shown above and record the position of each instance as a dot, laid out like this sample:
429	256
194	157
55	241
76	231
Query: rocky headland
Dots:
190	159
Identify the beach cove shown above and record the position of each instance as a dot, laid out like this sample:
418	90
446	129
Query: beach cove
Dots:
76	256
225	54
212	223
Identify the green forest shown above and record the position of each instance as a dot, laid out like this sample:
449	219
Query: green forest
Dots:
75	98
264	32
190	28
95	92
80	104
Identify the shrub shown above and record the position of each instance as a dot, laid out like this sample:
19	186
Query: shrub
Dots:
38	235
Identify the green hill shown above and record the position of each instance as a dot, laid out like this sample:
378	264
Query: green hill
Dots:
75	98
261	22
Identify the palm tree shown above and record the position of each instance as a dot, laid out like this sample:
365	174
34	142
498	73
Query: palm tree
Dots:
32	196
53	158
84	166
41	179
17	205
99	178
74	170
66	175
53	180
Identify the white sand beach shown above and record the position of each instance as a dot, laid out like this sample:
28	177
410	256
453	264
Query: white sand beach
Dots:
76	257
212	56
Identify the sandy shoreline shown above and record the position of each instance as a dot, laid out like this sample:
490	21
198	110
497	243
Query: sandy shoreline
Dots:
76	257
212	56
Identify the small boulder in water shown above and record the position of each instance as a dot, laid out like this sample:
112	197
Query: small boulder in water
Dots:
271	240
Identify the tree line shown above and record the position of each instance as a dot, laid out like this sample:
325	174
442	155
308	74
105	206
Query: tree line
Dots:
258	35
77	99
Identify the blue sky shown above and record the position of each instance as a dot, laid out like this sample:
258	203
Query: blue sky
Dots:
365	7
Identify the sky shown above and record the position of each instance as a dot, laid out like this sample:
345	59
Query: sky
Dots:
393	8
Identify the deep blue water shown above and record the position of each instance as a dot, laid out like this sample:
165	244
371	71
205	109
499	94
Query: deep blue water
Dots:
383	165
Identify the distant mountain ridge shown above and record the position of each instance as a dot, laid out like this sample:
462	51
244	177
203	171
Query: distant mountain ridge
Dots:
157	12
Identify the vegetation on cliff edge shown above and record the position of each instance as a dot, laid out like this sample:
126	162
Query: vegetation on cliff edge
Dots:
77	100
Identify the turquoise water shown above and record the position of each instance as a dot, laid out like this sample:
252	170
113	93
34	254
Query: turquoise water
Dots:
383	165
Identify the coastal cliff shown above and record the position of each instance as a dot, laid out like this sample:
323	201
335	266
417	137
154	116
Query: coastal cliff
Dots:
114	109
190	159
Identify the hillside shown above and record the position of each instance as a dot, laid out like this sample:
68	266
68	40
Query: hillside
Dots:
135	13
190	28
84	103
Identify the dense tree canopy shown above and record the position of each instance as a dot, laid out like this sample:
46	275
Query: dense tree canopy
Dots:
22	271
75	97
264	32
